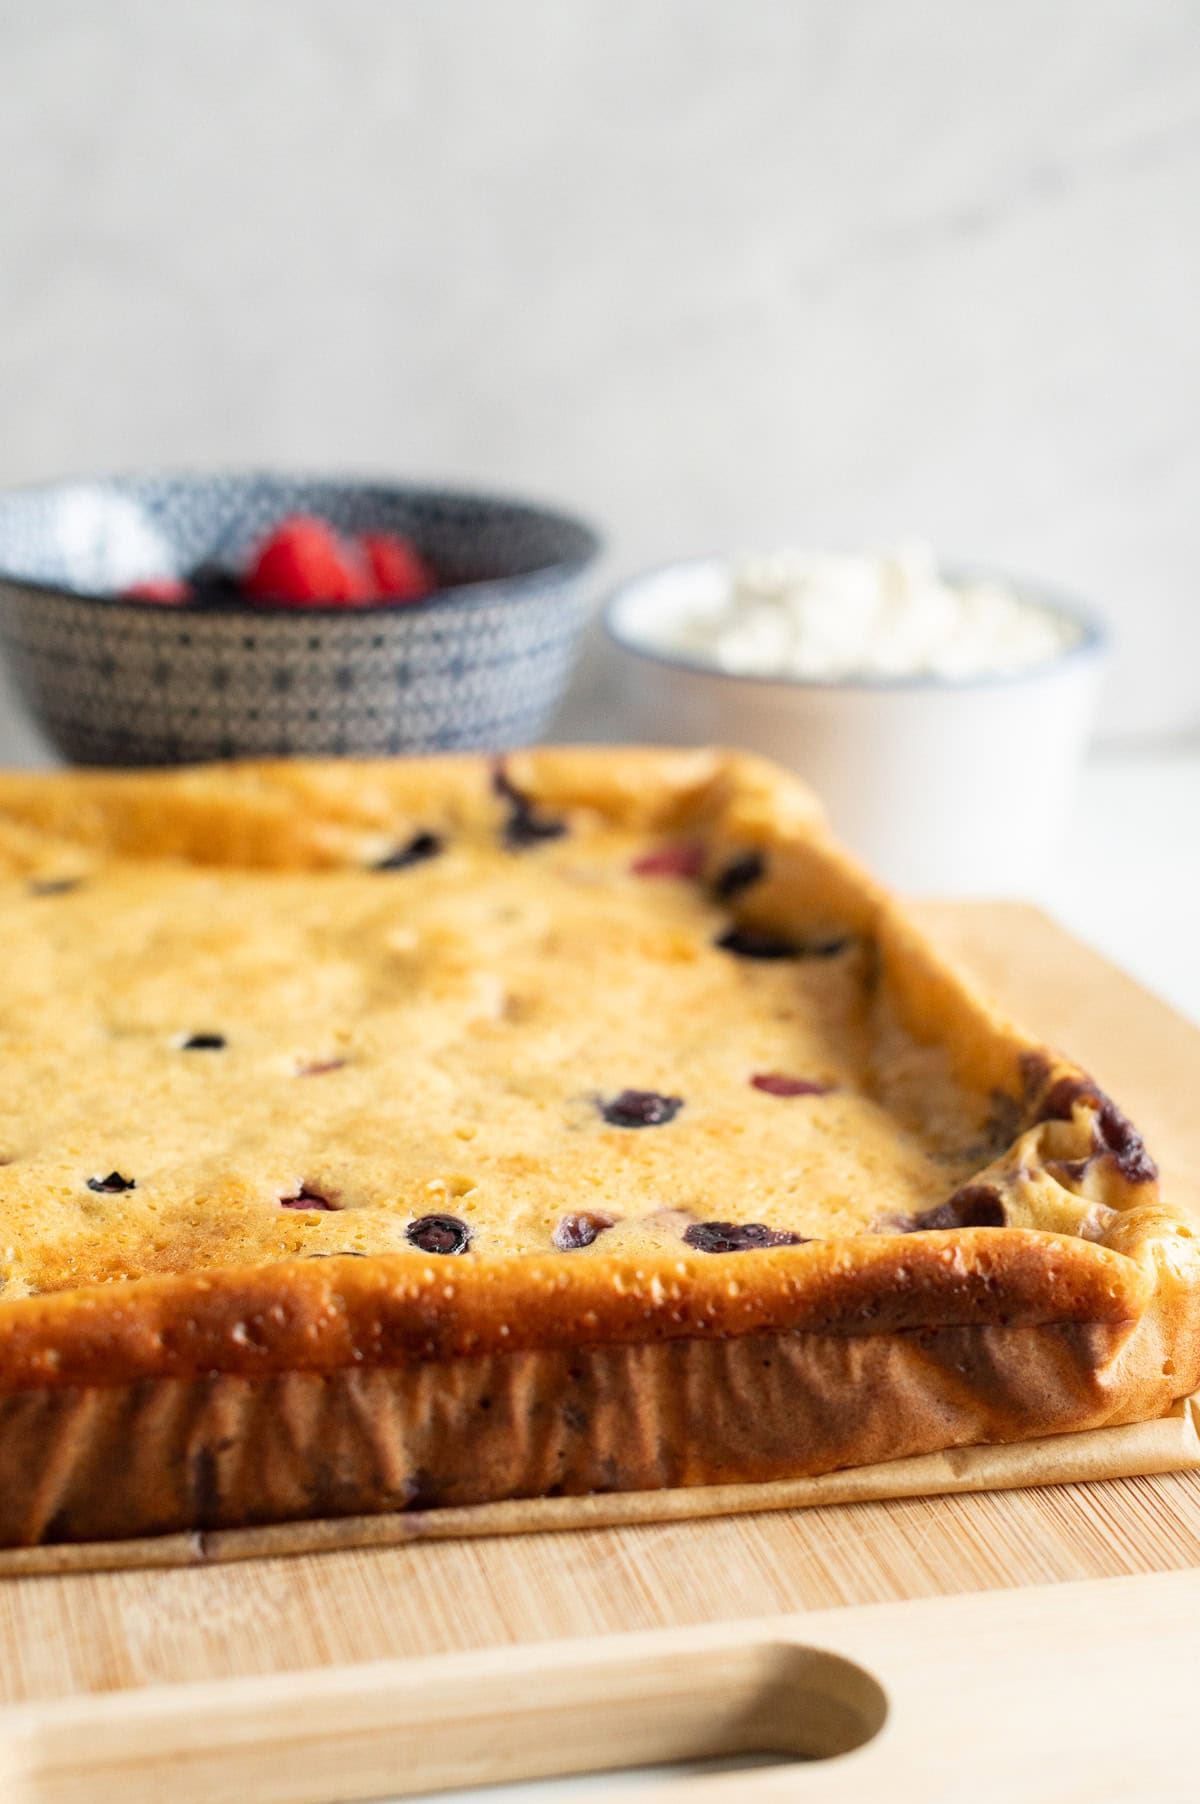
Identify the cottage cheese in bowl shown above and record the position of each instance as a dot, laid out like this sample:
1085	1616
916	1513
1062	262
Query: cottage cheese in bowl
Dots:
940	717
823	617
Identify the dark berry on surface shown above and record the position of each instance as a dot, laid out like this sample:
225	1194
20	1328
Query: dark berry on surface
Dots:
753	942
204	1043
1035	1069
1005	1120
53	886
439	1234
306	1199
974	1206
422	846
531	829
524	826
777	1083
112	1185
758	942
739	1237
1112	1131
503	785
738	875
575	1231
1116	1134
1059	1101
640	1108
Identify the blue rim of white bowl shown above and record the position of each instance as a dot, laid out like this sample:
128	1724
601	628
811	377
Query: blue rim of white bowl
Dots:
1094	640
485	590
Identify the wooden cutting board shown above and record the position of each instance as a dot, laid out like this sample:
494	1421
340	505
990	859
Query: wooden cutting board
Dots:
1056	1694
62	1638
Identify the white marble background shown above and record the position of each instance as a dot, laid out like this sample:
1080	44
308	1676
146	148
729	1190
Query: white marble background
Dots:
720	274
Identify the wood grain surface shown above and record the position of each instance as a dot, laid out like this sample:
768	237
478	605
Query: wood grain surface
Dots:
71	1635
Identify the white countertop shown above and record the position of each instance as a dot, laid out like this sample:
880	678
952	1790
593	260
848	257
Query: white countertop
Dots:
1127	875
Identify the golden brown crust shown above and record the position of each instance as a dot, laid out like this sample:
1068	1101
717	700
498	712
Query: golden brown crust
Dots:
694	1369
321	1316
303	815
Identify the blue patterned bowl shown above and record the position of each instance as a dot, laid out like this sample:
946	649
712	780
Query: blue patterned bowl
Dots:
479	665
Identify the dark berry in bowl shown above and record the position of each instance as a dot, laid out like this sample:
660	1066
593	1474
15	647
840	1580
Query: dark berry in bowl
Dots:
439	1234
212	586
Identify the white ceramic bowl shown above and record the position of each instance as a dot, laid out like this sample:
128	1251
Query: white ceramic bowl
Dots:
942	787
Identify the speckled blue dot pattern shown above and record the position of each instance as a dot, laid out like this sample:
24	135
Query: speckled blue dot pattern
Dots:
480	666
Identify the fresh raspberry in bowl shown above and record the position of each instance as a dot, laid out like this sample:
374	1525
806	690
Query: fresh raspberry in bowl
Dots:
303	563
